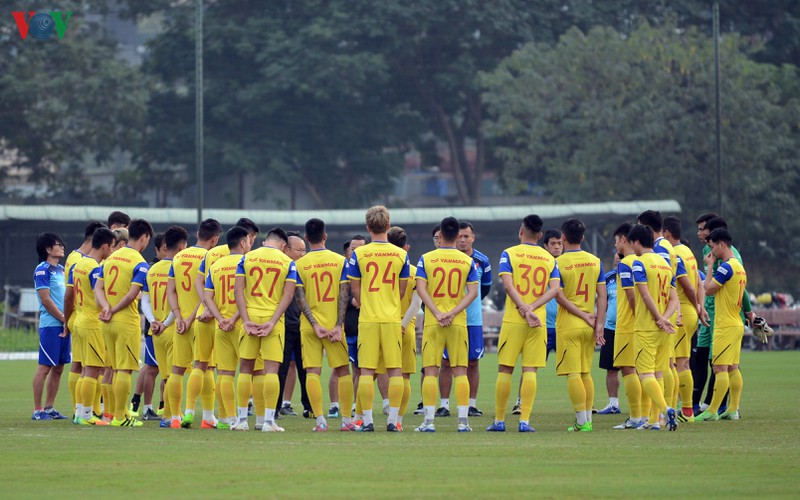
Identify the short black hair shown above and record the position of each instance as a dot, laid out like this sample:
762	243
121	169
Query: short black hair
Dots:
138	228
720	235
248	224
685	242
651	219
289	234
208	229
397	236
623	229
437	228
642	234
102	236
174	236
357	237
550	234
117	217
449	229
315	231
532	224
158	240
573	230
673	225
45	241
464	224
346	245
706	217
278	233
716	223
235	235
90	227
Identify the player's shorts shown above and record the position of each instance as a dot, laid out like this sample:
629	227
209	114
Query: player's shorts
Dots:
475	339
162	347
149	352
683	336
183	348
352	350
312	347
727	346
607	350
652	347
204	335
269	348
77	344
436	338
410	349
123	343
53	349
575	349
520	339
624	350
226	347
95	353
376	340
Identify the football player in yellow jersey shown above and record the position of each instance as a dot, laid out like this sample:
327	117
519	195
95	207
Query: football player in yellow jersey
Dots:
378	274
322	293
530	277
265	283
578	327
185	304
727	285
690	312
655	304
87	337
447	283
76	368
117	290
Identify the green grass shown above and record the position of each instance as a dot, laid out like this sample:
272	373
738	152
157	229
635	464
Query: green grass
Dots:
18	340
754	457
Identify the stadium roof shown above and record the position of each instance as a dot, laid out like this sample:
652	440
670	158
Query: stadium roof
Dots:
336	217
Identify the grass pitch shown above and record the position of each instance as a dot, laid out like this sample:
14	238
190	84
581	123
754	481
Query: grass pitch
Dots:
754	457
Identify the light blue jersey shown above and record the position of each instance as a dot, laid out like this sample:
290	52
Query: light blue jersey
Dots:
611	290
52	278
484	269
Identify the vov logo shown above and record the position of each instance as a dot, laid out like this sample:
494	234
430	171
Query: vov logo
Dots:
42	25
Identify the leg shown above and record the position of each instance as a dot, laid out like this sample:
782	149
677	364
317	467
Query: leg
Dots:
474	377
38	385
333	391
53	383
445	386
502	391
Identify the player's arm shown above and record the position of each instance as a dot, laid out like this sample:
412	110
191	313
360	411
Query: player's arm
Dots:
688	289
49	305
511	291
305	308
674	303
69	308
466	300
354	274
172	299
199	287
422	290
405	274
571	308
552	291
602	306
212	305
412	310
288	296
486	279
630	296
102	301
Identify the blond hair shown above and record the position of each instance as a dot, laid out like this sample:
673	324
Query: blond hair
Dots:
378	219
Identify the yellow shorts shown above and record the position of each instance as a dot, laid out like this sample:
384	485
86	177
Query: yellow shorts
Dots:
683	337
204	340
123	343
162	344
93	347
269	348
380	341
624	350
727	347
183	348
652	349
78	344
434	340
312	346
410	349
226	347
520	339
575	349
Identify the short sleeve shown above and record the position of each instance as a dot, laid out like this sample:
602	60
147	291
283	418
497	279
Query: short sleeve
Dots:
291	274
202	269
353	271
505	263
555	274
601	278
421	274
240	267
41	277
70	279
639	274
625	275
486	277
209	282
140	273
472	277
145	287
681	271
405	272
171	274
95	276
723	273
343	277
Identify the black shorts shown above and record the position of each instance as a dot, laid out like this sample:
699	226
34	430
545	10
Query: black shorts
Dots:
607	351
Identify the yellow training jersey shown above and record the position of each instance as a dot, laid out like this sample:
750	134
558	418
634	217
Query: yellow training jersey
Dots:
580	272
379	266
730	275
320	273
265	271
531	268
405	301
652	270
72	259
689	264
626	317
123	269
183	271
221	278
665	249
82	277
156	287
447	271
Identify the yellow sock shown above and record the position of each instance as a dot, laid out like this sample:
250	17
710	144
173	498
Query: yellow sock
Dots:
314	390
577	392
669	387
207	393
193	388
651	386
259	405
359	408
175	393
673	402
736	384
721	386
366	392
502	390
167	408
109	401
645	404
588	386
527	395
272	386
244	387
78	392
345	394
72	383
227	396
406	396
633	391
461	384
98	394
122	389
429	390
218	396
686	389
88	388
395	391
